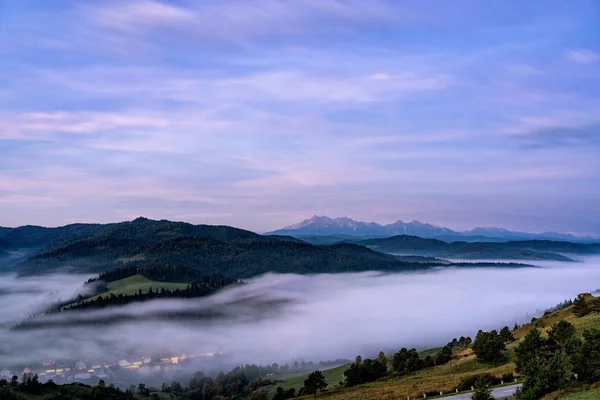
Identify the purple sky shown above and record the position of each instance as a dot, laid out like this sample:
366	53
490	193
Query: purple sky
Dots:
262	113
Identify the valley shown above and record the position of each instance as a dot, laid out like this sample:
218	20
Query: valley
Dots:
274	296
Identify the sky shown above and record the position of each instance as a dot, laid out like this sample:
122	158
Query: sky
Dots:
259	114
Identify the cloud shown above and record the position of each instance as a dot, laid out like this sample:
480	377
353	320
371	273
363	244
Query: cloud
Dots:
562	136
78	122
235	21
279	318
523	69
159	85
379	76
582	56
138	15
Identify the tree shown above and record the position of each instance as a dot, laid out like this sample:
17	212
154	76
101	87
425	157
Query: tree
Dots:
315	383
468	340
428	362
176	387
382	359
560	333
586	356
358	359
443	356
506	335
482	390
282	394
545	375
366	371
259	395
143	390
489	346
580	305
406	361
530	348
99	391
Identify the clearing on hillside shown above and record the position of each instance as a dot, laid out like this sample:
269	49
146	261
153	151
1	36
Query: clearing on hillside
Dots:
135	283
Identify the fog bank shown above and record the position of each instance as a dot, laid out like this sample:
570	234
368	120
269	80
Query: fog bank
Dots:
277	318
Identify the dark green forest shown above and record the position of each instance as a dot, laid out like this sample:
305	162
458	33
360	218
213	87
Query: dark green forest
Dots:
207	249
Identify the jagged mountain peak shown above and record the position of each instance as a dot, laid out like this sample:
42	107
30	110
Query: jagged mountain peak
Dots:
323	226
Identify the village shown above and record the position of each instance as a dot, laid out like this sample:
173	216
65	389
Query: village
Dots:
121	373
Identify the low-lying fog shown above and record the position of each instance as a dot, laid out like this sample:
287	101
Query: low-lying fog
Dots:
278	318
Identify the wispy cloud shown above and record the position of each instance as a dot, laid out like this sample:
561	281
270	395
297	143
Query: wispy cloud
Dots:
236	21
562	136
582	56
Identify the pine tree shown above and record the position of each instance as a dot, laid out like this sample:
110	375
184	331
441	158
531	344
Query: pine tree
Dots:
580	306
482	390
315	383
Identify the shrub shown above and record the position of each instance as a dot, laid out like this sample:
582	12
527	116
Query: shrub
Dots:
466	383
508	377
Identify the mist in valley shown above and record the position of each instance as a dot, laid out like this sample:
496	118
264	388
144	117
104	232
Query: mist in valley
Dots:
279	318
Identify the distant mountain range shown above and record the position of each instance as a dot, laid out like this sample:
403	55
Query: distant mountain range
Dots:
325	226
237	253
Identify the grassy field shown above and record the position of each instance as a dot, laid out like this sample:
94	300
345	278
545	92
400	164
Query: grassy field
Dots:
133	284
332	375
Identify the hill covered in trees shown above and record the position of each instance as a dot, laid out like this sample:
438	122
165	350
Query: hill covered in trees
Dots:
208	249
519	250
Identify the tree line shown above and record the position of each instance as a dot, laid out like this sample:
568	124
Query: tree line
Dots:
195	289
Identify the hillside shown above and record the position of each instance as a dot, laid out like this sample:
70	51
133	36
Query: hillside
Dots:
447	377
128	287
30	236
523	250
210	250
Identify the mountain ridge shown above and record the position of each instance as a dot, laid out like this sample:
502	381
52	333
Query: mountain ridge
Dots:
209	249
326	226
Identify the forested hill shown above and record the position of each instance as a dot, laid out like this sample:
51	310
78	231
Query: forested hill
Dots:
209	249
524	249
141	228
30	236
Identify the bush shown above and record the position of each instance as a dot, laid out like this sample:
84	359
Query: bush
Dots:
508	377
466	383
365	371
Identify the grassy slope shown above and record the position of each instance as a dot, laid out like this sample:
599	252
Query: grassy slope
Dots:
446	377
134	283
589	395
332	375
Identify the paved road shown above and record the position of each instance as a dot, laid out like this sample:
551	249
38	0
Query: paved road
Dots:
499	393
